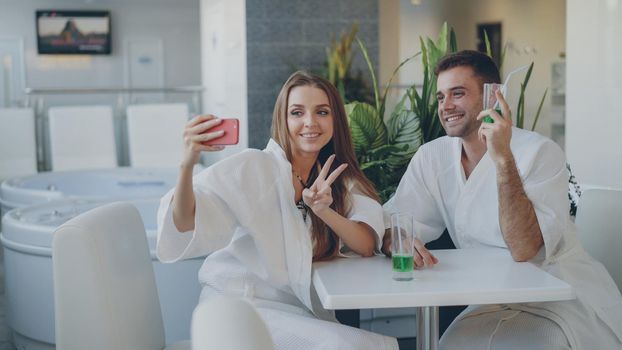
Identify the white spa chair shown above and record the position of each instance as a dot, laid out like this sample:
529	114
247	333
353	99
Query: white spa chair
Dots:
154	134
599	225
105	294
228	323
18	151
82	137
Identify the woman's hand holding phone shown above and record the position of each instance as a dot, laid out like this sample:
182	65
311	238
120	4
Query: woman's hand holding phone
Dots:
196	134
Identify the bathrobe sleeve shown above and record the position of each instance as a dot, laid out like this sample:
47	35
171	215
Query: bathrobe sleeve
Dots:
414	196
224	196
545	182
368	211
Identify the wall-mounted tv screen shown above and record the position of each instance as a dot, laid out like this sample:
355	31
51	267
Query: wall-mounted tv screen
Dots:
73	32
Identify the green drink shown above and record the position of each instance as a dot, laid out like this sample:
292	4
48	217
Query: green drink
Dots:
402	246
403	267
490	99
402	263
488	119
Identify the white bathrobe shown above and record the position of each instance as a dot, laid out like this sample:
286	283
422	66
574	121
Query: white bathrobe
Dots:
435	190
260	248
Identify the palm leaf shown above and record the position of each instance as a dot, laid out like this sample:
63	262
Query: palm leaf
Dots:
535	121
528	75
387	192
399	107
371	71
435	129
386	90
441	43
382	152
505	50
487	43
368	129
404	128
453	44
407	134
372	164
520	109
425	53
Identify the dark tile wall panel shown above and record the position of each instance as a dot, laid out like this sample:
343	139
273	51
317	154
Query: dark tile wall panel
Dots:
285	35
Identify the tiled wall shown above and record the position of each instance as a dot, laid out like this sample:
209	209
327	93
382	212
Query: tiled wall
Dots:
285	35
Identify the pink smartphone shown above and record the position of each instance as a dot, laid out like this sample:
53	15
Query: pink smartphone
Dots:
231	136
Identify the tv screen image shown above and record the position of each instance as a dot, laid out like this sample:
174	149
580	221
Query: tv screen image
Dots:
73	32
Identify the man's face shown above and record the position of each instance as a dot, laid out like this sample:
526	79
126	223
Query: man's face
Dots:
459	95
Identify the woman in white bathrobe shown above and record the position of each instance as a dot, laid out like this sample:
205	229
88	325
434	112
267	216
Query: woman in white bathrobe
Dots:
264	216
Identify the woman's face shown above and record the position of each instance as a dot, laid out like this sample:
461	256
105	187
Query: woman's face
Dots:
309	120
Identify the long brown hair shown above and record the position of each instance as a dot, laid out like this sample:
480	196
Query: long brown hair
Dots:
326	241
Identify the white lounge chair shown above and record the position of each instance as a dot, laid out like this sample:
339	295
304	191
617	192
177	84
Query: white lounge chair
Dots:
599	225
155	134
82	138
105	294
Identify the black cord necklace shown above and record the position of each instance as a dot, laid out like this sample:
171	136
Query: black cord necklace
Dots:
301	203
304	184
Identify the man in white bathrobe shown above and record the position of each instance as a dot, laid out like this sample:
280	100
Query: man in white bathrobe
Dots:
494	185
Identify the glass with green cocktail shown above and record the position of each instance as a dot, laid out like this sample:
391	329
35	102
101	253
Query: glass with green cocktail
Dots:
490	99
402	246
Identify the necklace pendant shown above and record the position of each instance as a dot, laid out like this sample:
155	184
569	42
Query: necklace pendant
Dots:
304	185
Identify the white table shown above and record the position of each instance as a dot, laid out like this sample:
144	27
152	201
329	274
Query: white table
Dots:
462	277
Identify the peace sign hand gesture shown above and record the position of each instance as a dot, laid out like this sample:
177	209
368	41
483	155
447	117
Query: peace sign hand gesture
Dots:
319	196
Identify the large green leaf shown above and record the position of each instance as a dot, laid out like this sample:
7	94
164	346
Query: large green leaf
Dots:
416	101
368	129
426	107
399	107
438	49
433	53
366	166
406	132
385	150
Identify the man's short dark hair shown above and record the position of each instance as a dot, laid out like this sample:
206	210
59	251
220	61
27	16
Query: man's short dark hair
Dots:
483	66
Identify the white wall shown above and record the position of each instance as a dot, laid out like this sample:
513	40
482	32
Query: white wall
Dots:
423	20
401	25
527	25
593	142
172	25
389	34
223	64
535	24
175	22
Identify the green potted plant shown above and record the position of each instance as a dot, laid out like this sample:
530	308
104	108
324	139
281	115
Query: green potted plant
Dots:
339	68
384	144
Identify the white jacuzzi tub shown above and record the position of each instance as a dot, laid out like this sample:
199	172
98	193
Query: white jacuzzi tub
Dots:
123	182
27	239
